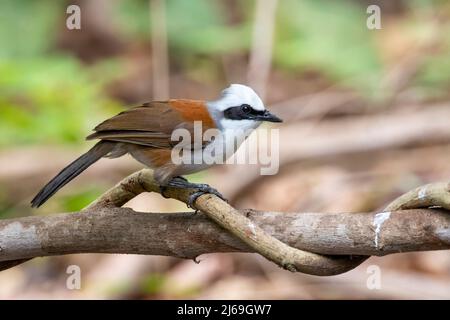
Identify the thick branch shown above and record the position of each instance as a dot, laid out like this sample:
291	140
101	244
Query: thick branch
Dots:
295	242
187	235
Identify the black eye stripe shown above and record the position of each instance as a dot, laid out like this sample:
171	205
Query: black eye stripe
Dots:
241	112
233	113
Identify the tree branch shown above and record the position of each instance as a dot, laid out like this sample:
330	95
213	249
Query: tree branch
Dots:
340	241
187	235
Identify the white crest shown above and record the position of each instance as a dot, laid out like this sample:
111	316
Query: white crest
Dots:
236	95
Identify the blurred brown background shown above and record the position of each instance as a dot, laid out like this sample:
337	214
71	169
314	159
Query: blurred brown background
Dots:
366	119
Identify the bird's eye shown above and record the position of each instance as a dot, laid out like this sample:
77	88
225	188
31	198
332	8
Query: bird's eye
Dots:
246	108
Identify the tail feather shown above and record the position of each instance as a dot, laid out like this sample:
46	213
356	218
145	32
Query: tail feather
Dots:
98	151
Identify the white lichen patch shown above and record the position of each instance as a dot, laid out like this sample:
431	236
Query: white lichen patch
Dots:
378	221
252	228
443	234
17	238
422	193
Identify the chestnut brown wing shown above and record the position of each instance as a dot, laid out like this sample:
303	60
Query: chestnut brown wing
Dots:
150	124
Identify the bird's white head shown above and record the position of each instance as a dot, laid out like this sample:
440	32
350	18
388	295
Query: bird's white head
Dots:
239	107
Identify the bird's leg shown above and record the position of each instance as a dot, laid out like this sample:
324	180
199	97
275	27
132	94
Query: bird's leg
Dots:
163	188
180	182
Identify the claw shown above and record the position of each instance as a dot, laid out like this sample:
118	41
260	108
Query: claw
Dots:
203	189
213	191
193	197
162	190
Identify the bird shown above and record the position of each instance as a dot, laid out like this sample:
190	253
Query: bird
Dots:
146	133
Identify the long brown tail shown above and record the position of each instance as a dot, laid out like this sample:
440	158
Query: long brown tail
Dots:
98	151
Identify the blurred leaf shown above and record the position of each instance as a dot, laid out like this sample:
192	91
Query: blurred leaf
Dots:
194	27
76	201
330	37
153	283
27	27
434	76
53	99
133	18
208	31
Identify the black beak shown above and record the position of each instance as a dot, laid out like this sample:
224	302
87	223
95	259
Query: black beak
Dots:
269	117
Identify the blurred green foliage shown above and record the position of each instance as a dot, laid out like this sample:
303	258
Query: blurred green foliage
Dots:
330	37
28	27
77	200
48	99
49	96
44	96
433	79
157	283
320	35
153	283
194	27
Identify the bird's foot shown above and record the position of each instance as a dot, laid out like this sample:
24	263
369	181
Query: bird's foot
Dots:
175	182
201	189
162	190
